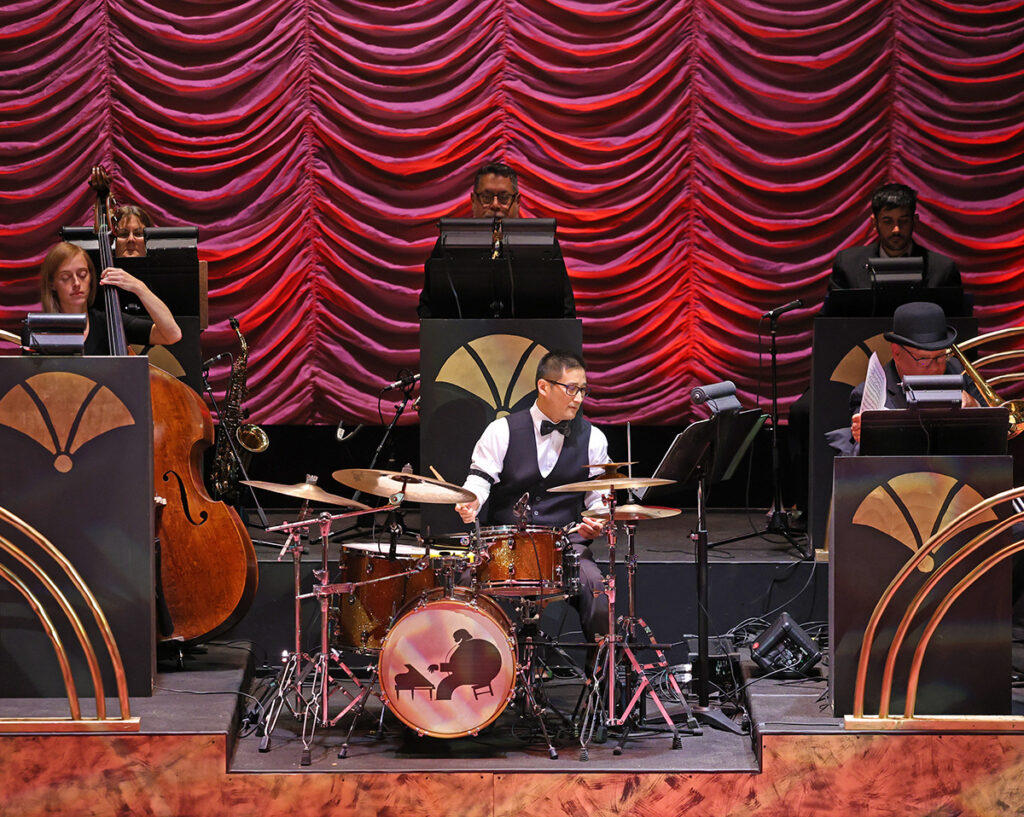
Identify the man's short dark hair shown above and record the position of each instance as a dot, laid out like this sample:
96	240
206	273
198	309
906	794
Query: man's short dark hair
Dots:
893	197
556	361
496	169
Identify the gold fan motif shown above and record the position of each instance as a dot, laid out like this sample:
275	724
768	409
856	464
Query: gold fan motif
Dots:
497	369
923	494
62	411
853	368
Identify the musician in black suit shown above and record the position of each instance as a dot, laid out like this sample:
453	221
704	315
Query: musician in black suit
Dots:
894	218
495	194
529	451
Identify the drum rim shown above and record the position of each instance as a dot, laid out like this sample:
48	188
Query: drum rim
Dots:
502	529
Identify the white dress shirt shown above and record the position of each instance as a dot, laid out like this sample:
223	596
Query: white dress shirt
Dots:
489	455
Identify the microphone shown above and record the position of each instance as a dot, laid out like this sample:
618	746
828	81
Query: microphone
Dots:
341	435
215	359
774	313
403	382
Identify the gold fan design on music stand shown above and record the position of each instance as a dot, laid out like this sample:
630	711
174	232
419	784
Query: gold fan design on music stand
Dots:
497	369
62	411
923	496
854	365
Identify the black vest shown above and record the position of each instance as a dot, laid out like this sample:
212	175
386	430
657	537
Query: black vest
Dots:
520	473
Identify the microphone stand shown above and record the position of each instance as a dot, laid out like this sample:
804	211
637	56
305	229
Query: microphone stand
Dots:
778	519
395	523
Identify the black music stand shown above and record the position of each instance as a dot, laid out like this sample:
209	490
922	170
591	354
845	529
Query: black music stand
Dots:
708	451
496	268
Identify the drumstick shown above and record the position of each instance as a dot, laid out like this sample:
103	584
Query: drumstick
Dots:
433	470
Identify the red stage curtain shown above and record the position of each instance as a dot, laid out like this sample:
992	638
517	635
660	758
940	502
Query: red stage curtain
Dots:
704	161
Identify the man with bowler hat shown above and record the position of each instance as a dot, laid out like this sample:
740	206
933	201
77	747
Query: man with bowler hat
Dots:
920	341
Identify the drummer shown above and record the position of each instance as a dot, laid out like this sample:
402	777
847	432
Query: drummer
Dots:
529	451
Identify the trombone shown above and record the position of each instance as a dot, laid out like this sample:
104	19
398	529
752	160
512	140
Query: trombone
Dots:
1014	407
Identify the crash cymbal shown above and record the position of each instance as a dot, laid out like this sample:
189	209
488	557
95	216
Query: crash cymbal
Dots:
633	513
305	490
610	484
416	488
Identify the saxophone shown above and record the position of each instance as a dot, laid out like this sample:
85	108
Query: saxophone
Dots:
224	473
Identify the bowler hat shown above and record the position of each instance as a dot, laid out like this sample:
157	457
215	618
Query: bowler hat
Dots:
921	325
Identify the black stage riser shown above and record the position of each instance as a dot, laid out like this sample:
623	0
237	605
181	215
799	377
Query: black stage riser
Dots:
666	601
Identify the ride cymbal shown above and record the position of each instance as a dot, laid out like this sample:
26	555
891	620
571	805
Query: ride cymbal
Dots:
633	513
415	487
305	490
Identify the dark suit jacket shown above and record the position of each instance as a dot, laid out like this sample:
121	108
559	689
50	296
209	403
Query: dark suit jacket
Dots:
849	270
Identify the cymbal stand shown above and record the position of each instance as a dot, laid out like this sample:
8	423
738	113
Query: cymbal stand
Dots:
609	648
291	673
315	707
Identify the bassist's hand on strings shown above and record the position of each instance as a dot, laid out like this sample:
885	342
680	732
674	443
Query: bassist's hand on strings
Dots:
165	329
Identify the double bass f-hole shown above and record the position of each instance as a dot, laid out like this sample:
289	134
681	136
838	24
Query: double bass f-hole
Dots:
203	515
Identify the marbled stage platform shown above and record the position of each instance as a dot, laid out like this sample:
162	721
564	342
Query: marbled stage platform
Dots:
198	752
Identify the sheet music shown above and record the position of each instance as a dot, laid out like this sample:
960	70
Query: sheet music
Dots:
874	386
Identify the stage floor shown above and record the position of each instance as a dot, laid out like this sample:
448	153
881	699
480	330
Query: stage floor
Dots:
198	752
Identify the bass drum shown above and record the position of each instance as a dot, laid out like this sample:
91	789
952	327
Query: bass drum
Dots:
448	665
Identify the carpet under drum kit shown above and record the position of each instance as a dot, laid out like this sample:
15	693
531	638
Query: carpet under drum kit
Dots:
449	625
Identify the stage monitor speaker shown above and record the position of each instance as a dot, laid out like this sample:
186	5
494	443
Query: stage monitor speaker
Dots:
785	648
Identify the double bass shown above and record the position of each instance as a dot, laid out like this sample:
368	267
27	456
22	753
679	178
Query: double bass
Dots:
207	570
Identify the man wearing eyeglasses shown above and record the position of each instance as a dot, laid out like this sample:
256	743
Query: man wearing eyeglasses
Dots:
529	451
919	339
495	194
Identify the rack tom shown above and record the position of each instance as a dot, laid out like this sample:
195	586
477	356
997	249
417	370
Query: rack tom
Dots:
521	562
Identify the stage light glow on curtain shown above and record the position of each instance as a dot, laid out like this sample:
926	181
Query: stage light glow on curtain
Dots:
704	160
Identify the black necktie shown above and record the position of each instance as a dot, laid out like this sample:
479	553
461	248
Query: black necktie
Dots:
546	427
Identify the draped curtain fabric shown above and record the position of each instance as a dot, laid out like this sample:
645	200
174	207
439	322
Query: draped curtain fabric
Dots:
704	161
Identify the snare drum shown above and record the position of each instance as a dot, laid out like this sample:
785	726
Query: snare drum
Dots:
448	664
361	618
525	562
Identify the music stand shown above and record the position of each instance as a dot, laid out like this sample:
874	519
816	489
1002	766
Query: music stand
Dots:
708	451
497	268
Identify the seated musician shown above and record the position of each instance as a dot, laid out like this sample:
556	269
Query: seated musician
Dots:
495	194
130	222
920	339
547	445
894	218
67	283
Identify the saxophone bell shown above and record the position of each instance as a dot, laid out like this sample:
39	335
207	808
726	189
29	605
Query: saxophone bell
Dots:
252	438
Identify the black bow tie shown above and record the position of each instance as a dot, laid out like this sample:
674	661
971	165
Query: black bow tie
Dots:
546	427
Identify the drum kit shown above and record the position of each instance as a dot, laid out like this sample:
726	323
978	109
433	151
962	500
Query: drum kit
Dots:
443	622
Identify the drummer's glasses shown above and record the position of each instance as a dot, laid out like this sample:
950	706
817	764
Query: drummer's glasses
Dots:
572	389
504	198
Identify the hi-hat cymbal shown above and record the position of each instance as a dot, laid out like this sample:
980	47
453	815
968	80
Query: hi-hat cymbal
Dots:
633	513
610	484
611	466
305	490
416	488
